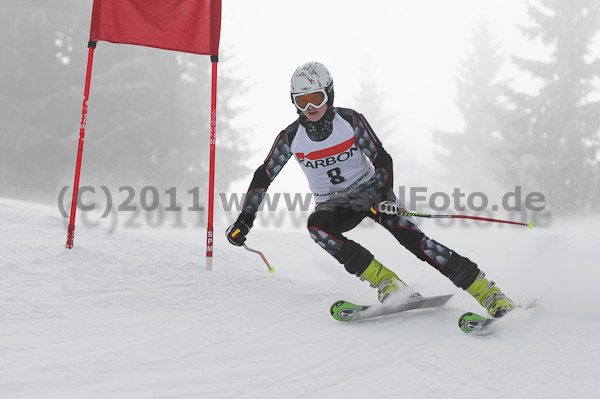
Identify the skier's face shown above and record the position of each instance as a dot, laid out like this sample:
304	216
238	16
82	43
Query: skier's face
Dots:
314	114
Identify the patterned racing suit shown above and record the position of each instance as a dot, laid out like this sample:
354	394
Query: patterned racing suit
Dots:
343	211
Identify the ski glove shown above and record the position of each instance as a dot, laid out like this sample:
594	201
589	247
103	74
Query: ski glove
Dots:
237	232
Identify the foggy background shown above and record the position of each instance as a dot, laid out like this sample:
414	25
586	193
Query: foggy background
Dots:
484	96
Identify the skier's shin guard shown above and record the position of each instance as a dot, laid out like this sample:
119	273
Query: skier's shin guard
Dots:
353	256
460	270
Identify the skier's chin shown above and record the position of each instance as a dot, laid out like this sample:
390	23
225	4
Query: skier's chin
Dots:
314	115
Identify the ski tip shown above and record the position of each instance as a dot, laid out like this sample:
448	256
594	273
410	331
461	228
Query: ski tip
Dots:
344	311
470	322
443	299
336	305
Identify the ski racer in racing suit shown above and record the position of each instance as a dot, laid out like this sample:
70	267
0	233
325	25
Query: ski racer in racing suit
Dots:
351	177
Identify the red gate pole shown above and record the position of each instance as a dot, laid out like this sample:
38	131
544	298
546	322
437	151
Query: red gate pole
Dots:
211	177
86	95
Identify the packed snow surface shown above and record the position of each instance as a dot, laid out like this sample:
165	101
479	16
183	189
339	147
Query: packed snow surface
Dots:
135	314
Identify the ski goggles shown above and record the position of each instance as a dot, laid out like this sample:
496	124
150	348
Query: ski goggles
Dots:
315	98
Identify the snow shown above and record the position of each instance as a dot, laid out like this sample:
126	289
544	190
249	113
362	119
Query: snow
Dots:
136	315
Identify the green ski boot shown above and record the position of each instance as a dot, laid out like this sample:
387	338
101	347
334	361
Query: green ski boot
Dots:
382	278
490	297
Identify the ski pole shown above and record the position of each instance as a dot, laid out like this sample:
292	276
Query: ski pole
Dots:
271	269
388	210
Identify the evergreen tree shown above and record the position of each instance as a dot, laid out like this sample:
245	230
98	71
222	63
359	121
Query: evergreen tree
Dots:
149	109
38	73
370	101
554	133
473	153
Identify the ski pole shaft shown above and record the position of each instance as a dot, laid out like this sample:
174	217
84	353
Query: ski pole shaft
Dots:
425	215
271	269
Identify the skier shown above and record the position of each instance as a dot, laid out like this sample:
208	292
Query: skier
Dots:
351	177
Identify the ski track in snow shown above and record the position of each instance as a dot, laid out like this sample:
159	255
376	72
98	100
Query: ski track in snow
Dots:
136	315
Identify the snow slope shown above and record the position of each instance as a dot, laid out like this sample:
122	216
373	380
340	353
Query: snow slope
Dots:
135	315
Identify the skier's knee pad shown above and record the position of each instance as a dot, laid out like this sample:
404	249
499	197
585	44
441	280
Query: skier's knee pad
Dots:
434	253
320	228
328	242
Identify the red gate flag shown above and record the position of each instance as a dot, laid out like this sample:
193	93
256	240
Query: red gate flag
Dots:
190	26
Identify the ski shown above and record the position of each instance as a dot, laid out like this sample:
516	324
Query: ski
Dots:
473	323
347	311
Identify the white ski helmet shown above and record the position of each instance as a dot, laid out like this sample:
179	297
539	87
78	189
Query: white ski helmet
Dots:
310	77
